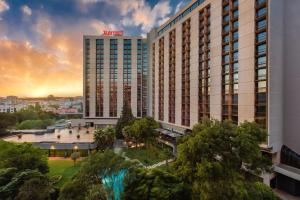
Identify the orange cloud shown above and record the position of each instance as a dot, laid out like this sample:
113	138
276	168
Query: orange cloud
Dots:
26	71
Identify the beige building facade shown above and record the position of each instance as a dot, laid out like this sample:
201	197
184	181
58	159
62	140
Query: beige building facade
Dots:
115	72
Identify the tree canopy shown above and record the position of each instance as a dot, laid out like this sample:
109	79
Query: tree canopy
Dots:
125	119
104	138
22	156
218	158
155	184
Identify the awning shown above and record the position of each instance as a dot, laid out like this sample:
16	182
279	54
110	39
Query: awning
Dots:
288	171
65	146
168	133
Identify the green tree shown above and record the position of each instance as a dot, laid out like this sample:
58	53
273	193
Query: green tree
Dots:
75	156
125	119
217	158
142	130
36	188
22	157
89	178
11	188
75	190
155	184
104	138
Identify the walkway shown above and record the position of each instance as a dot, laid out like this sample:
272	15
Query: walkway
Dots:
160	163
119	145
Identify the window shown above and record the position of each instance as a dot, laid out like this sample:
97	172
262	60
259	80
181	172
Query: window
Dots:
236	24
261	61
226	38
261	24
226	8
235	77
235	56
235	14
226	59
226	48
261	86
235	3
235	67
261	37
261	49
261	73
226	28
235	46
261	12
226	18
235	35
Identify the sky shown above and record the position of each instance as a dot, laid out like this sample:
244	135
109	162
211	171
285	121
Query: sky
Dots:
41	40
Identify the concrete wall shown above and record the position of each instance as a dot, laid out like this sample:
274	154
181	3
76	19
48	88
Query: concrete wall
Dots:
291	71
275	72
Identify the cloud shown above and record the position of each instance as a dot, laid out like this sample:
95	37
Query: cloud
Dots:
28	71
26	10
100	26
136	12
3	6
148	17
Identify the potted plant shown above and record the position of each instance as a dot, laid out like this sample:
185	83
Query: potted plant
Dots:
70	131
58	136
78	136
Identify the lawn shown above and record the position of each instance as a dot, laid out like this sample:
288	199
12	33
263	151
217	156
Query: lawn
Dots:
148	156
65	168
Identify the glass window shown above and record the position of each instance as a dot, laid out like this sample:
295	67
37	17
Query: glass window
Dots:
235	88
235	35
235	3
226	48
235	13
226	59
261	49
226	28
261	24
235	56
226	69
235	77
261	74
261	12
226	8
261	61
235	67
226	18
261	86
236	24
261	37
235	46
226	38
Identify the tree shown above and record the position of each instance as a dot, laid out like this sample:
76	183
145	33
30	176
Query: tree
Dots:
23	156
96	167
125	119
104	138
10	189
75	156
142	130
75	190
155	184
217	158
35	188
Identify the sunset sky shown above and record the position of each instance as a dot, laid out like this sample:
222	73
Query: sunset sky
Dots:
41	40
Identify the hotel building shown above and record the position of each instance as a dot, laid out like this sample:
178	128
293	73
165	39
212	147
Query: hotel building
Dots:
115	73
221	59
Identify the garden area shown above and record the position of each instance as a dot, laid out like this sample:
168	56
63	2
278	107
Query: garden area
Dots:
148	156
62	170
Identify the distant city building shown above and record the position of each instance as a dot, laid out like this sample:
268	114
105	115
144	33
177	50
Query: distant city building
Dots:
11	100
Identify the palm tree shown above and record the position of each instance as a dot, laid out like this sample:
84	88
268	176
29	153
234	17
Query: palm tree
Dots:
104	138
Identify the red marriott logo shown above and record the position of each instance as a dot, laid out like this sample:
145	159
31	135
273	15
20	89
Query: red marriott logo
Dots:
113	33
